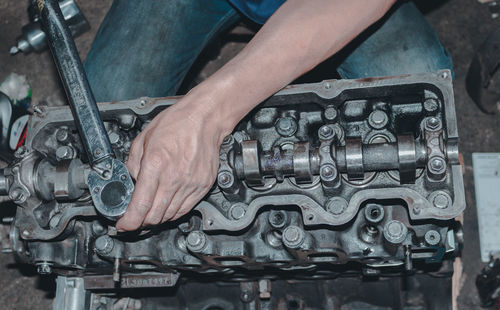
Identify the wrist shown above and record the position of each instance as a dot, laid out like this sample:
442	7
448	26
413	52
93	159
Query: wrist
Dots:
209	106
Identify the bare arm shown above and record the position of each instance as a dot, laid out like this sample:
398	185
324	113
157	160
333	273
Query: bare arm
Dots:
175	159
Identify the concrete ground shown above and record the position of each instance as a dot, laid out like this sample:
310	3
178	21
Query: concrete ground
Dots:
461	24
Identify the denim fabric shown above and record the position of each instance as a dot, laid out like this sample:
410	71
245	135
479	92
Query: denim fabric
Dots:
403	42
145	48
257	10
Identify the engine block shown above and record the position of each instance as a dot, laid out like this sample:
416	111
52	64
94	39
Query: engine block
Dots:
335	178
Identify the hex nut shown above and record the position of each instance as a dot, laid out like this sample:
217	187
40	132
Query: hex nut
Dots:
326	132
432	123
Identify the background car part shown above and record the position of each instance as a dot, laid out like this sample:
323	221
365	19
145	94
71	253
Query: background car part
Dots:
34	38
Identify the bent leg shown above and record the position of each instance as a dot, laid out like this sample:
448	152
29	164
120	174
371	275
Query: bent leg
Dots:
402	43
145	48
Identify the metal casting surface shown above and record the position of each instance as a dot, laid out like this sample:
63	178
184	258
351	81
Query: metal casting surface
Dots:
334	179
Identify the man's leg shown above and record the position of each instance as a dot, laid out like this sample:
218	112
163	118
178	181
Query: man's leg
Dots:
145	48
401	43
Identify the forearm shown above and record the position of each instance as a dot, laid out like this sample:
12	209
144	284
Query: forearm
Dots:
299	36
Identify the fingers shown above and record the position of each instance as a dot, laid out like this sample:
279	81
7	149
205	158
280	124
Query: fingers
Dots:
161	202
186	206
135	155
142	198
175	204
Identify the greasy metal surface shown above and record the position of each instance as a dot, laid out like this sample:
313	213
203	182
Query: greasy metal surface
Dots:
259	221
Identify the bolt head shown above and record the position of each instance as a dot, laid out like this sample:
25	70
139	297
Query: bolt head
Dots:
378	119
326	132
432	123
104	244
196	240
286	126
44	268
114	138
62	134
237	211
330	113
437	165
293	236
395	231
328	172
431	104
336	205
64	152
432	237
225	179
441	200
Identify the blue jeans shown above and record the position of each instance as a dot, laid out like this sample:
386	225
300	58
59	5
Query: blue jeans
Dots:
146	48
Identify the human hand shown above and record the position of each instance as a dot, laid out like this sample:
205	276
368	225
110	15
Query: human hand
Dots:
174	161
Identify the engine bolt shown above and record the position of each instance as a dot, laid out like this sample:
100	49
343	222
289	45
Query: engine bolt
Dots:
293	236
437	165
336	205
328	172
432	237
44	268
378	119
114	138
330	113
286	126
431	104
104	244
246	296
237	211
64	152
432	123
395	232
225	179
18	195
62	134
441	200
277	219
196	240
326	132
